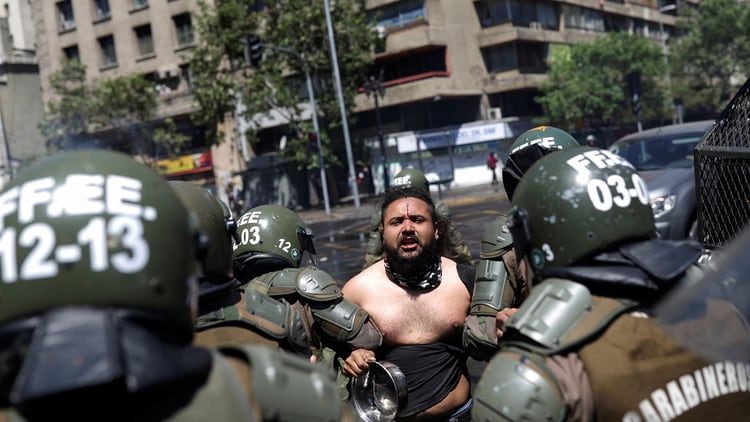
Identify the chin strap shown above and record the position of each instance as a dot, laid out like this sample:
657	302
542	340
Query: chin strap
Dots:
427	279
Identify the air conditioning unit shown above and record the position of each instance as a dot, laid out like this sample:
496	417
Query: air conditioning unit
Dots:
494	113
68	24
535	25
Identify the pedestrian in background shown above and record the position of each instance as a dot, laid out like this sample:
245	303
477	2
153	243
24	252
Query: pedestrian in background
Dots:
591	141
492	165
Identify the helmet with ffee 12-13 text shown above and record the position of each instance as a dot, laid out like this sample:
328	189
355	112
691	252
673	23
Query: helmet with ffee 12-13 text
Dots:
96	228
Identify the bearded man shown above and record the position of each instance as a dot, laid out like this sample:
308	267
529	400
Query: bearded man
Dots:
419	300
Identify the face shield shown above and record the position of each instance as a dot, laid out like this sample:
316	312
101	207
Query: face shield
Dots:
709	312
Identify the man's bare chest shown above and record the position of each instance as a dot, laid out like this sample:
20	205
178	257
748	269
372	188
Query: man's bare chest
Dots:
409	318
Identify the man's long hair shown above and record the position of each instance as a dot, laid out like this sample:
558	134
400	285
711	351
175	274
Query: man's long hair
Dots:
442	244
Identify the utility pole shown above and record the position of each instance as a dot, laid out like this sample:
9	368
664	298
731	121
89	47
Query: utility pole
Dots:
662	36
342	109
377	89
253	55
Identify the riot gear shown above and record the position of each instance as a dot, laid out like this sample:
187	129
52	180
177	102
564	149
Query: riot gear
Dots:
529	147
411	177
271	238
581	190
82	228
215	221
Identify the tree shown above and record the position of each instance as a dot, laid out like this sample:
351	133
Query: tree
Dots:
293	34
117	113
589	80
711	53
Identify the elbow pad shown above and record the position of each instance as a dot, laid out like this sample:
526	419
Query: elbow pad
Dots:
345	322
517	386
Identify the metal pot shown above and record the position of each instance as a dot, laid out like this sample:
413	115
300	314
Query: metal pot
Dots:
378	393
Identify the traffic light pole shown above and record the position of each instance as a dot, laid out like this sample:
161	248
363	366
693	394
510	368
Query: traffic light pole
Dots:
376	88
310	93
313	111
342	109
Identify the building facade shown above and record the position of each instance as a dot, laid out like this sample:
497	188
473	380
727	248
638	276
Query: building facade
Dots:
459	76
150	37
446	63
21	108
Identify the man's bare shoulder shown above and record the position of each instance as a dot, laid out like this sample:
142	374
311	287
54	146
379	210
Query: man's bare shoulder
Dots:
364	279
447	264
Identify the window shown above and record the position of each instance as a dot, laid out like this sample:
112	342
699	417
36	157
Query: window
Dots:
499	58
67	19
583	18
107	47
145	40
414	66
72	53
399	14
187	75
183	26
140	4
102	9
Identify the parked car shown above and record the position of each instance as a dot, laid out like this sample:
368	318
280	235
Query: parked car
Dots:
664	158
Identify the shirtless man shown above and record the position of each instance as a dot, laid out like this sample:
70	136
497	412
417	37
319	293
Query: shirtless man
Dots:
419	300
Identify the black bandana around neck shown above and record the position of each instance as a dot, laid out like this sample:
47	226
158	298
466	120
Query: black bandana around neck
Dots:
427	279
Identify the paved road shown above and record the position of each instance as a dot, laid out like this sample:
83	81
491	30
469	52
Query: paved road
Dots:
341	236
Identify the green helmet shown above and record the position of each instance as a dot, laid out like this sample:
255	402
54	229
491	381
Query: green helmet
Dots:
529	147
271	238
411	177
576	203
215	221
95	228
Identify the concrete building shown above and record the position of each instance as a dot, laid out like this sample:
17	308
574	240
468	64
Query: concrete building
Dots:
460	76
21	108
446	63
151	37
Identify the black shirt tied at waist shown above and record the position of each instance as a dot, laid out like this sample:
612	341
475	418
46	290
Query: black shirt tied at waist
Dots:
431	372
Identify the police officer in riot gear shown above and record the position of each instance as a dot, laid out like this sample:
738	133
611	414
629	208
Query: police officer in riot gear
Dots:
411	177
276	299
99	300
500	281
583	345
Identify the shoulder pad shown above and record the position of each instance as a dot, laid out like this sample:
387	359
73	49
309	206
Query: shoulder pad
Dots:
309	282
290	388
317	285
376	219
443	212
559	314
274	319
496	239
517	386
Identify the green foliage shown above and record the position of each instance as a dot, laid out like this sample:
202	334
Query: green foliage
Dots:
711	53
117	113
589	80
295	37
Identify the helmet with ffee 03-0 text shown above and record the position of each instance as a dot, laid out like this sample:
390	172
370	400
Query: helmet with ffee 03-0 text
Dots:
576	203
